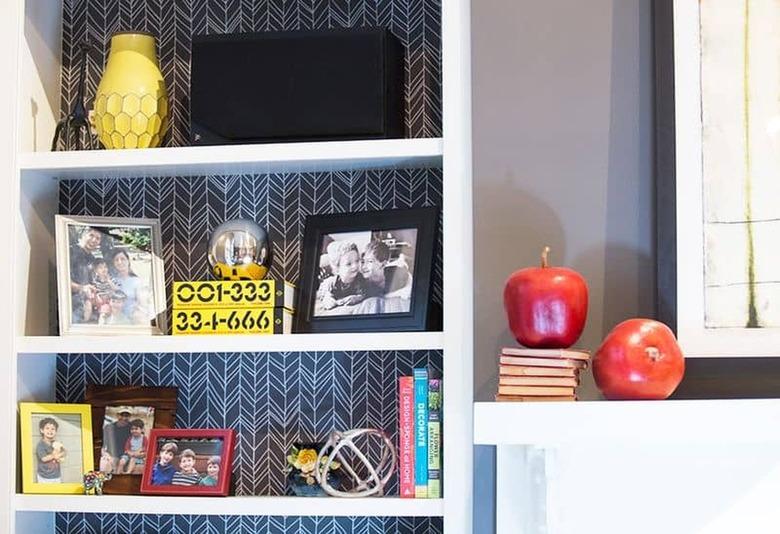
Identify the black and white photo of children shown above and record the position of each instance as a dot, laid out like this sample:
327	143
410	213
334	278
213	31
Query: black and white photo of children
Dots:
111	275
365	273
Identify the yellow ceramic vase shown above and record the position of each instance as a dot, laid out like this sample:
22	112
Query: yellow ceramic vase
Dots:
131	104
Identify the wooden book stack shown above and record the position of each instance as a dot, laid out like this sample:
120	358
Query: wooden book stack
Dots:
527	375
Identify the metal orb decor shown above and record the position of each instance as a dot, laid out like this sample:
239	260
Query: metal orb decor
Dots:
239	250
368	480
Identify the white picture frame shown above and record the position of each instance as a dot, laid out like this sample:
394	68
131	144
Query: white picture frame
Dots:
681	195
122	302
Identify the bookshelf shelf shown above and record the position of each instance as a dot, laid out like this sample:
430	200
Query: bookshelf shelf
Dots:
684	421
234	159
276	506
374	341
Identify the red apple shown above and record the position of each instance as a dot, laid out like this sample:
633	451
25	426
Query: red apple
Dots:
639	359
546	306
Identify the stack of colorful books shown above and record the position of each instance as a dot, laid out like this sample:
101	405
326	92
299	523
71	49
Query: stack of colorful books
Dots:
527	375
419	435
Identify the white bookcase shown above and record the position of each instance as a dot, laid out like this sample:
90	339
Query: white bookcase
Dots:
30	40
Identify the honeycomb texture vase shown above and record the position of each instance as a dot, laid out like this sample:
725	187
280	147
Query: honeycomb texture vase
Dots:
131	103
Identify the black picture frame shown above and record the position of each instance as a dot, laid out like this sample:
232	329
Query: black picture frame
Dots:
665	170
420	315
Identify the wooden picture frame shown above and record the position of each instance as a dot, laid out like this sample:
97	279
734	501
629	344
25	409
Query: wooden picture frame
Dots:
704	275
197	446
399	244
99	291
60	430
162	399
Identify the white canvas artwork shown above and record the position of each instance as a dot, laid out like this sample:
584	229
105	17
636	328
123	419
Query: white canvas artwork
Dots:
739	42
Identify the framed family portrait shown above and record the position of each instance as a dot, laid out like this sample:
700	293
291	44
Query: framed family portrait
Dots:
56	442
123	418
189	462
110	276
718	162
368	271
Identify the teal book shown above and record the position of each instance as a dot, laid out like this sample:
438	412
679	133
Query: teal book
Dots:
421	433
434	438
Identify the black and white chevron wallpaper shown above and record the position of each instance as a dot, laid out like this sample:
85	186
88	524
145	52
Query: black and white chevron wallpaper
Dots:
417	24
272	400
193	524
189	208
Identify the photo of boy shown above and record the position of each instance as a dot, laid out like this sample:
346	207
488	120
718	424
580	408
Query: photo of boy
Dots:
49	452
135	448
163	470
346	286
125	427
186	475
212	472
102	287
385	280
114	313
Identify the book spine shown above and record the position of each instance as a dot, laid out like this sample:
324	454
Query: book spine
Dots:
434	438
406	436
421	433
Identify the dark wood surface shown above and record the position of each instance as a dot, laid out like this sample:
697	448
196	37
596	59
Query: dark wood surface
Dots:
162	399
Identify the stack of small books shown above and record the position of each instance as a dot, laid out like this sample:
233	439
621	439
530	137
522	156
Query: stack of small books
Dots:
527	375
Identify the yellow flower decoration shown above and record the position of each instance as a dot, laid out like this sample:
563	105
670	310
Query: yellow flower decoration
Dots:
306	457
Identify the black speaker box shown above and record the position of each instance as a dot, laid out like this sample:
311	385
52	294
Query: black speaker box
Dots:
301	85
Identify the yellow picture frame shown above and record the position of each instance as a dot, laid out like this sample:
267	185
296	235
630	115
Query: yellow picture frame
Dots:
29	443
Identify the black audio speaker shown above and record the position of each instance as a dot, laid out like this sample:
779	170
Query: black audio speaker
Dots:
302	85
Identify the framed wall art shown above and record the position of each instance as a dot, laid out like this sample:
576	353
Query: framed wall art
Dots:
56	442
122	420
368	271
189	462
110	276
718	162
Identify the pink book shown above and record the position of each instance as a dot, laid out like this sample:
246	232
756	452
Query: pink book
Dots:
406	435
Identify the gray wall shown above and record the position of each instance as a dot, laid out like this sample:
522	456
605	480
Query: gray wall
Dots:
563	156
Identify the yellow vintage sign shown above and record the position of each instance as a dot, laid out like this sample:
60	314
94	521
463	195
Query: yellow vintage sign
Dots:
232	321
233	294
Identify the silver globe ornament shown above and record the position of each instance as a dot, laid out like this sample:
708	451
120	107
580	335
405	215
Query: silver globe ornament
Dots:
239	249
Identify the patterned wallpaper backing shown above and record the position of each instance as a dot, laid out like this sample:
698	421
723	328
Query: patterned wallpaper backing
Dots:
154	524
272	400
417	24
189	208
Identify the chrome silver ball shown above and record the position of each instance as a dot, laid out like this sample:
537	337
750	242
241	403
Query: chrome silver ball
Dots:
239	250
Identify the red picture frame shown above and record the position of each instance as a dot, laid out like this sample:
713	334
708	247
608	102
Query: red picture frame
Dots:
202	447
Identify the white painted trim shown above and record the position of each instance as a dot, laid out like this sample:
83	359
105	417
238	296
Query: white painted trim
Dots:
232	343
458	268
276	506
235	159
736	421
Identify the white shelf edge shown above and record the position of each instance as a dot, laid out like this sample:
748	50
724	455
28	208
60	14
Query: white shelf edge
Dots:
234	159
736	421
257	506
231	343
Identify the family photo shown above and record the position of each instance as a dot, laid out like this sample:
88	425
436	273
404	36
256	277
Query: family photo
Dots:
365	273
113	273
125	439
188	462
